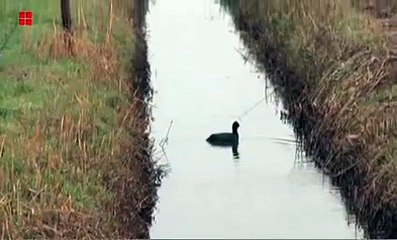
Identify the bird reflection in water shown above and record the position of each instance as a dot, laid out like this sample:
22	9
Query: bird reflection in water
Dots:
236	154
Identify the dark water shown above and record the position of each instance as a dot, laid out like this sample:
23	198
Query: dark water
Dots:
203	84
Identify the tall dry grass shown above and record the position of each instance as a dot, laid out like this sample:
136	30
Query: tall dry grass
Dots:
341	74
342	54
74	146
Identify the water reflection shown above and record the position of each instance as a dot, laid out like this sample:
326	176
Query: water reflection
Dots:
236	154
234	147
206	86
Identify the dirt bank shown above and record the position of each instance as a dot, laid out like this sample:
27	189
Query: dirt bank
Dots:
75	153
330	66
138	195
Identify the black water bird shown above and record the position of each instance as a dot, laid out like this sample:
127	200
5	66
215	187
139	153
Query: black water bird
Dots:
225	139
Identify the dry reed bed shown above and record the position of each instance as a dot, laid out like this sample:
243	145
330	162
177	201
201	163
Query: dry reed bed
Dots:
80	166
332	67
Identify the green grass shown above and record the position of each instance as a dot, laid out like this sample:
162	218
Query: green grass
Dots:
60	118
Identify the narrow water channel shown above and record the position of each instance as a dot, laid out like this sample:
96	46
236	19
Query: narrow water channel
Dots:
203	84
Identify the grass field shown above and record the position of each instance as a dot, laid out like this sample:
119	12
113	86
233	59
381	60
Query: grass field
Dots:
62	118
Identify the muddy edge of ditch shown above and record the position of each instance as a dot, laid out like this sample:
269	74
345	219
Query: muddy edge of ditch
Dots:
137	194
376	215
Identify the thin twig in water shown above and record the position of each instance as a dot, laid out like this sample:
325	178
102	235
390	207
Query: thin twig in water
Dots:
284	140
244	56
251	108
164	141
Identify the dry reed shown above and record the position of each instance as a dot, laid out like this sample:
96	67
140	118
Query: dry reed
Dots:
333	64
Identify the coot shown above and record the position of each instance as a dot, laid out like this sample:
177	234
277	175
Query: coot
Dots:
225	139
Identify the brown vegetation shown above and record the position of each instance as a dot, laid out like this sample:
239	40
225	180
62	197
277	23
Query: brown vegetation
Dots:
332	67
75	148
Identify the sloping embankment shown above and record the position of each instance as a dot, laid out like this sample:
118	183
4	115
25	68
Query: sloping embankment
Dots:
138	195
75	152
331	68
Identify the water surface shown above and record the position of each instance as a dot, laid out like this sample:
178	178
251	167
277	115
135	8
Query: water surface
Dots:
203	84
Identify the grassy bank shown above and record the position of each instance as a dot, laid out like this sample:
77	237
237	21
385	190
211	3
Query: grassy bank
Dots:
330	64
75	156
